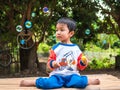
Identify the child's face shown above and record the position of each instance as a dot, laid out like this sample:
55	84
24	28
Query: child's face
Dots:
62	33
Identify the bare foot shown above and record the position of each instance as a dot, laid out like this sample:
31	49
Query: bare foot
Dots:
93	82
27	83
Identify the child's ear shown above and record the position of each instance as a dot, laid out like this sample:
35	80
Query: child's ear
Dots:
72	33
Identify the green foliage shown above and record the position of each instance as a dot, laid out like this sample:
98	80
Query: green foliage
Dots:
84	12
43	48
101	64
118	52
116	44
103	41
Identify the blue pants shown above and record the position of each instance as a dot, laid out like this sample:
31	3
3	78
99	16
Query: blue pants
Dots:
57	81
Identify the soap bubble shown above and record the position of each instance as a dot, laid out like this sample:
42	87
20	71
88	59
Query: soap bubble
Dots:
18	28
33	14
28	24
22	41
104	41
45	10
87	31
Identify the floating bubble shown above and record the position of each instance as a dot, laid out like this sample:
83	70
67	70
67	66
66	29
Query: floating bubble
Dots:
18	28
104	42
87	31
22	42
45	10
33	14
28	24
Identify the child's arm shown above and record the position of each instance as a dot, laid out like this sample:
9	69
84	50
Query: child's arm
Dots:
82	62
52	64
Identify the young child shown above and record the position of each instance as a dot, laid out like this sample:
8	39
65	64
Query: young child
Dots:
65	60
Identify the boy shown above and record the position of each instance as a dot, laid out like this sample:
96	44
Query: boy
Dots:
65	59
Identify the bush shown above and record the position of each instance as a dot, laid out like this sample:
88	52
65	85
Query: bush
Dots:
43	48
101	64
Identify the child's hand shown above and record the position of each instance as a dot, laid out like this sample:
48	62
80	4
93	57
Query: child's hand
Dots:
55	64
84	60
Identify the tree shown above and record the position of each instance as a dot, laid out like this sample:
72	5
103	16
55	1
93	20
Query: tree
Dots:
17	12
110	11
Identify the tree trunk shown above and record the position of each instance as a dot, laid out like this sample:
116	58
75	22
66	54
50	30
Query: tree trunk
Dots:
117	62
28	58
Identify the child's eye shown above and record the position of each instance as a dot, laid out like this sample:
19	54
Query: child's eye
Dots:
62	30
56	30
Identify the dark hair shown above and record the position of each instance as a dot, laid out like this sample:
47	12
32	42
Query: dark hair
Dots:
71	24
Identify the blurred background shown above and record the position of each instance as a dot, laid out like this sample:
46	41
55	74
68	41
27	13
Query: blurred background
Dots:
27	32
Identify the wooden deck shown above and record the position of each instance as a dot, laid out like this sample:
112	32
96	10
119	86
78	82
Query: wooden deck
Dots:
108	82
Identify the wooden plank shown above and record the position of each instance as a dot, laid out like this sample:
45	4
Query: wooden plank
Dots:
108	82
14	87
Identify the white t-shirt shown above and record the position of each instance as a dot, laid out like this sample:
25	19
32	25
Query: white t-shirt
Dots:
68	56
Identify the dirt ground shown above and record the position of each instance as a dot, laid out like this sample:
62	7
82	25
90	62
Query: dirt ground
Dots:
113	72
